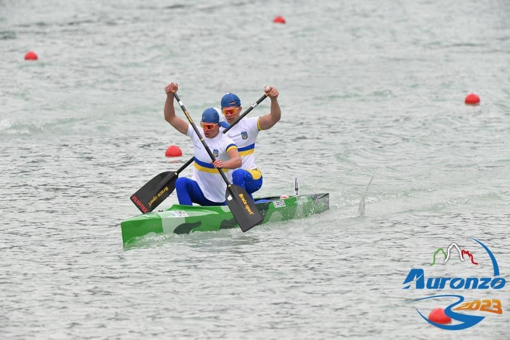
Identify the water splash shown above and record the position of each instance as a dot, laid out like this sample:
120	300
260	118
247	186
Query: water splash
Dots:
361	206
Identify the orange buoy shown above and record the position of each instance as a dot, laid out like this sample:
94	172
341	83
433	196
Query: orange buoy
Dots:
279	20
31	56
472	99
438	316
173	151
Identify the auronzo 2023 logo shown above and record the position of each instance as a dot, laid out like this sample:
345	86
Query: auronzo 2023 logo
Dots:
416	279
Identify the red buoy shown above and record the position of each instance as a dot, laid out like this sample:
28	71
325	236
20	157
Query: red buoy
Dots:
173	151
31	56
438	316
472	99
279	20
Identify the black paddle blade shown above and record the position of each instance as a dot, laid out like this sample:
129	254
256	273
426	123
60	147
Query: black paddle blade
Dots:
148	197
242	207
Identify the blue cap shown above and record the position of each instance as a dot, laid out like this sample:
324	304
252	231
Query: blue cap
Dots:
230	99
210	115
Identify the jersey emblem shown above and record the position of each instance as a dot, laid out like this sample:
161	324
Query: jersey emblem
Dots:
244	135
215	153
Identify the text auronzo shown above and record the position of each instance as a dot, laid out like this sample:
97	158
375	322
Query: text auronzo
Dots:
417	275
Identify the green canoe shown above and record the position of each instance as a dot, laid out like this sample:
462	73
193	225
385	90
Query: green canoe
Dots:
184	219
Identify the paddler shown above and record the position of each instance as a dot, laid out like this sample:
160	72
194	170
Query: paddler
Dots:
207	187
245	134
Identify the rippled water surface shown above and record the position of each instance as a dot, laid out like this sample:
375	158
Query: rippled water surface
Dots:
368	89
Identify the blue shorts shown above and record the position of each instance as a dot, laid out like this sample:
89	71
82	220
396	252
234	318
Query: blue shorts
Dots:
188	192
249	180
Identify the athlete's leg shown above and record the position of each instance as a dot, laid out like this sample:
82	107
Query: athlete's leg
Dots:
189	192
254	182
183	186
246	180
197	196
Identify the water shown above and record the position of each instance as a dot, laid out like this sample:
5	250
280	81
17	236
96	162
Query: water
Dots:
368	89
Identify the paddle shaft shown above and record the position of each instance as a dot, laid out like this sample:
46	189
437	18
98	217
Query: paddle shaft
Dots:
190	120
254	105
184	166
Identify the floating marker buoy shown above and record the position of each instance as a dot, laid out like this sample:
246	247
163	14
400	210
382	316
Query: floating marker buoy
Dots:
279	20
31	56
438	316
173	151
284	196
472	99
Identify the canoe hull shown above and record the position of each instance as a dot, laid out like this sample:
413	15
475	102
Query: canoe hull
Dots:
183	219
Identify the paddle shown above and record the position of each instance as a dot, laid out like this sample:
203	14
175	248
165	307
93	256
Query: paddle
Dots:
148	197
241	205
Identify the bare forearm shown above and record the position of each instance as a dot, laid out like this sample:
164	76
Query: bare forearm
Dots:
276	112
169	109
269	120
233	163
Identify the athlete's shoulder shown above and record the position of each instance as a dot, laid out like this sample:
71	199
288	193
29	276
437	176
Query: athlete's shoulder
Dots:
227	140
253	120
252	123
191	132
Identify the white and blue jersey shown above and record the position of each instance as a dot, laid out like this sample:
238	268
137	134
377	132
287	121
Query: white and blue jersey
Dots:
244	134
204	172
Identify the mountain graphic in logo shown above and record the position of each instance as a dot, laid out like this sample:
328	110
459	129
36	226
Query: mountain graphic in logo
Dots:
447	254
